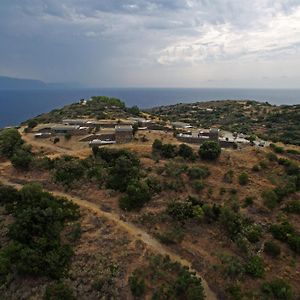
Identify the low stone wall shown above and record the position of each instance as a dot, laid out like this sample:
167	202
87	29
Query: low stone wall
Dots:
99	136
192	139
228	144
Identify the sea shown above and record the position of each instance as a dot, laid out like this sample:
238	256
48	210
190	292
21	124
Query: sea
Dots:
17	106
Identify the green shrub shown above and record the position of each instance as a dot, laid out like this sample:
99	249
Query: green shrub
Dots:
10	141
248	201
256	168
270	199
39	218
168	151
21	159
173	235
137	194
180	211
293	207
277	289
198	185
272	156
186	152
255	267
228	176
124	171
282	231
58	291
173	169
231	221
294	243
272	249
198	172
293	151
56	140
154	184
157	145
263	164
68	169
285	232
232	267
210	150
243	178
253	233
234	292
198	213
211	212
276	148
137	285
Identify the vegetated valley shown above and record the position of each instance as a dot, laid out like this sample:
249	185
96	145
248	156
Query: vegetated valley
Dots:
153	218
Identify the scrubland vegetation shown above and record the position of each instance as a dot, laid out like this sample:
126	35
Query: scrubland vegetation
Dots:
233	214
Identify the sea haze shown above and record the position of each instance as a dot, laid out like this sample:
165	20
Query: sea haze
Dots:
19	105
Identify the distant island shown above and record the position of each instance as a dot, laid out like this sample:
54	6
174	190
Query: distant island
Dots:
22	83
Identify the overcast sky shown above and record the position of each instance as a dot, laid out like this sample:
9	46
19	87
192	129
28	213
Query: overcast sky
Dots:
183	43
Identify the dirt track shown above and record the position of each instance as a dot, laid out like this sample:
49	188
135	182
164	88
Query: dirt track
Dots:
134	231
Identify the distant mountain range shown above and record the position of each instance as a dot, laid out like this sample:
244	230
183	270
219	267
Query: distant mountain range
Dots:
20	83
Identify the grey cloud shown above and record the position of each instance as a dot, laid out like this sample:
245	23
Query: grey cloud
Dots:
105	41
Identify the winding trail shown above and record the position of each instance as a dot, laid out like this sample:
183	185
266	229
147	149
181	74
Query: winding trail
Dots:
134	231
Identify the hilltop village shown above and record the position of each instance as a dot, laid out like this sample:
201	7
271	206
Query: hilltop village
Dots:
95	132
184	202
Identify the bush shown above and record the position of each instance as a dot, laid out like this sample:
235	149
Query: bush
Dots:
248	201
233	267
124	171
168	151
39	218
157	145
198	185
282	231
198	172
255	267
186	152
278	289
211	213
243	178
270	199
56	140
263	164
22	159
154	184
256	168
293	207
272	249
210	150
253	233
234	292
174	235
228	176
231	221
32	123
58	291
110	156
137	194
67	170
180	211
272	157
137	285
276	148
10	141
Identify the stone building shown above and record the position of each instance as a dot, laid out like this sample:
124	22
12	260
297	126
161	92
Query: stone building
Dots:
123	134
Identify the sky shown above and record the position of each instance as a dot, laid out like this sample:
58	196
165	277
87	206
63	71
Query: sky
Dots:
153	43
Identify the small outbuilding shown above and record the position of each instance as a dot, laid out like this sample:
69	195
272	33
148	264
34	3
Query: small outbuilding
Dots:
123	134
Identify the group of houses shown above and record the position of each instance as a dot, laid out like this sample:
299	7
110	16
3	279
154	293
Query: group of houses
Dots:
105	131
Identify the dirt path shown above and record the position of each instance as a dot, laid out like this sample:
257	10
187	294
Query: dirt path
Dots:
134	231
